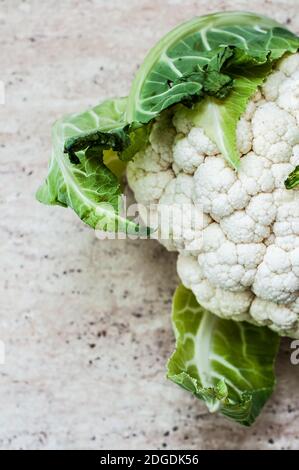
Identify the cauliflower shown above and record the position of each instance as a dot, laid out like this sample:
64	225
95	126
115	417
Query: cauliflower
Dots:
239	251
210	132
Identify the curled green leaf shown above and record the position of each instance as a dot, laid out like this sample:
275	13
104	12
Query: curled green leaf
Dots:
227	364
210	65
85	182
292	180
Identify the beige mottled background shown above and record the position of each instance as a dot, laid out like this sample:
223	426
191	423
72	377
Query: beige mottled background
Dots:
86	324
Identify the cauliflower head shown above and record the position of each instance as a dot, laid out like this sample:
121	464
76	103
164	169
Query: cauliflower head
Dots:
240	253
210	129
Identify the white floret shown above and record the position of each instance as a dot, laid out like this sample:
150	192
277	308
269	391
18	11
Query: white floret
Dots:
255	174
288	98
275	279
189	152
280	172
286	226
237	232
275	132
222	269
237	196
162	138
148	187
148	175
239	227
272	85
182	222
200	141
230	305
181	124
185	156
250	110
281	318
289	64
224	303
226	264
244	136
262	209
213	180
189	270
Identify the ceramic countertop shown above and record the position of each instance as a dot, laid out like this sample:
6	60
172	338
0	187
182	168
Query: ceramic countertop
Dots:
86	324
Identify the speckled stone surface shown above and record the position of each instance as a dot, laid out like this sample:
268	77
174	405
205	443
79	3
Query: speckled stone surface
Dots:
85	323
